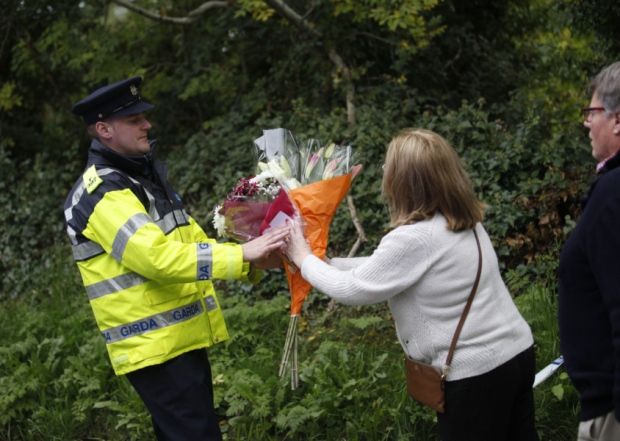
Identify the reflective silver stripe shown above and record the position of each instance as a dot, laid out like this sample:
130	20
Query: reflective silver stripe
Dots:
74	201
106	171
210	303
69	212
79	191
72	235
184	214
154	322
86	250
204	267
125	232
152	207
116	284
168	222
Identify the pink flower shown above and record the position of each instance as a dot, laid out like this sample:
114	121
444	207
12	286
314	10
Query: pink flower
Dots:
311	163
355	170
330	169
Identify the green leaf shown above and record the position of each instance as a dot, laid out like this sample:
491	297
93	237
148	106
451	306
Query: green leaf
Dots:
558	391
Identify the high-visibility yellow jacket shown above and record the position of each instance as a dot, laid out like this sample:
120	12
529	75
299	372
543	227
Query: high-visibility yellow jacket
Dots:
146	264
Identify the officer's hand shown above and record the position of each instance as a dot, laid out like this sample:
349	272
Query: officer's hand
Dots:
258	248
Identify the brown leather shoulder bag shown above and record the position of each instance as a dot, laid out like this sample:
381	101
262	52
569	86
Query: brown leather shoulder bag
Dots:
426	383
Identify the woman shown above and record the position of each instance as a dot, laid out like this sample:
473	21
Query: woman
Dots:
425	268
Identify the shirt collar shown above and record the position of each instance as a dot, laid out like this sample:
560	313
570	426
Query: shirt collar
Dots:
601	164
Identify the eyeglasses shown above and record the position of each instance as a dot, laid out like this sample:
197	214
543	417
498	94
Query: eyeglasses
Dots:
587	111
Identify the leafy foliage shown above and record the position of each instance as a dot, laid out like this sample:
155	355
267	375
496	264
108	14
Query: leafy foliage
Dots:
597	17
57	380
54	372
31	221
501	80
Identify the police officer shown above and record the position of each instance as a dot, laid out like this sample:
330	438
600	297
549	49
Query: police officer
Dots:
147	266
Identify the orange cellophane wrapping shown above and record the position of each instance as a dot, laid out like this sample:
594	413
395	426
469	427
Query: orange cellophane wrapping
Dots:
317	204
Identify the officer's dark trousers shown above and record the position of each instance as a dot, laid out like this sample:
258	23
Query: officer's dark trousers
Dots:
496	406
179	396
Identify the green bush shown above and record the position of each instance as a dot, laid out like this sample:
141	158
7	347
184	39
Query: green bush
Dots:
55	378
215	93
56	381
530	177
32	194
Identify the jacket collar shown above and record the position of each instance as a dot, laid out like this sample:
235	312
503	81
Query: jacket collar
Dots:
104	156
610	164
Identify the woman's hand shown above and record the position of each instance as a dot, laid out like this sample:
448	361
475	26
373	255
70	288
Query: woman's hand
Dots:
297	245
258	249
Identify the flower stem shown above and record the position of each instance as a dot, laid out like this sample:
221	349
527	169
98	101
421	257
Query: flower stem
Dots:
290	340
290	353
294	373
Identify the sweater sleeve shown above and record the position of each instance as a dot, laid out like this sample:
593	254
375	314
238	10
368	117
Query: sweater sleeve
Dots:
398	262
347	263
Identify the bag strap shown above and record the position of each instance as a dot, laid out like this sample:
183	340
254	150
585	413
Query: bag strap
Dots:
465	312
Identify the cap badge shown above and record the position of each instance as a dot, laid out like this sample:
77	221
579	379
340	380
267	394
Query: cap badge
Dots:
133	89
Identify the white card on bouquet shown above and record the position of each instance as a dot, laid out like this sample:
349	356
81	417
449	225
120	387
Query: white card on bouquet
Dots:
278	220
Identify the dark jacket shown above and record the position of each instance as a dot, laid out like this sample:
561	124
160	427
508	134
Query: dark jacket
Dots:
148	176
589	297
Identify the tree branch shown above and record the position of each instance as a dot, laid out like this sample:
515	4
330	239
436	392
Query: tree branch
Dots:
283	9
375	37
350	98
302	24
292	16
192	17
361	235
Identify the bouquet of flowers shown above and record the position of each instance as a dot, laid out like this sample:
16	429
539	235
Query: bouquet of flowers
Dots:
252	207
293	176
316	178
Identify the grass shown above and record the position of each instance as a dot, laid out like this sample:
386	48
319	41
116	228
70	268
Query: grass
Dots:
557	402
56	382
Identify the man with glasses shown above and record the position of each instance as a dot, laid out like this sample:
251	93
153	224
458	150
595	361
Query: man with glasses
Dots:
147	266
589	297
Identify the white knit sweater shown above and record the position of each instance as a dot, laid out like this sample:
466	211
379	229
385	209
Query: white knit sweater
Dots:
426	273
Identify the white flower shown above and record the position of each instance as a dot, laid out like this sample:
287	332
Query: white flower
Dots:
280	175
267	184
265	176
219	222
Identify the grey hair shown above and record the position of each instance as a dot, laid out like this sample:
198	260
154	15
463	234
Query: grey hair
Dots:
607	86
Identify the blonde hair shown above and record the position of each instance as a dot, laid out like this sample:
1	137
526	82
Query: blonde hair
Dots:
423	175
